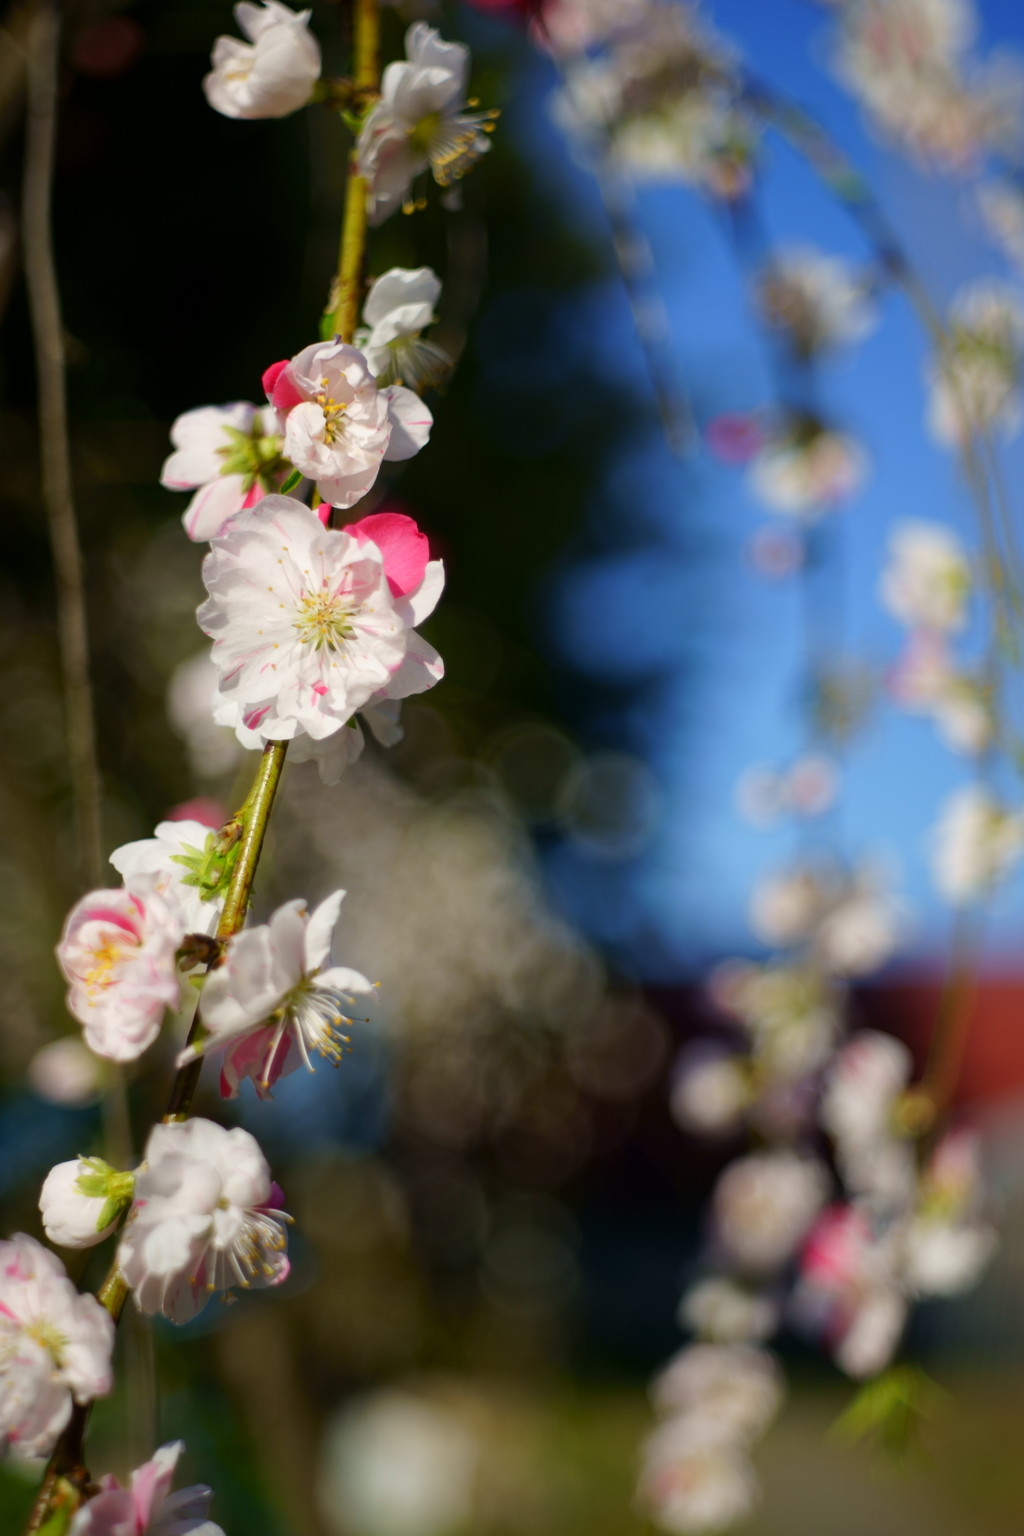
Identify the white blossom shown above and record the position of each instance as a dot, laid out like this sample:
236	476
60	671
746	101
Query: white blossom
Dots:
691	1481
338	425
859	1111
230	456
818	302
272	74
790	1012
398	308
82	1201
975	844
927	579
764	1203
722	1310
308	624
66	1072
805	469
271	1004
55	1346
975	380
147	1507
711	1088
185	865
118	952
735	1389
419	123
206	1218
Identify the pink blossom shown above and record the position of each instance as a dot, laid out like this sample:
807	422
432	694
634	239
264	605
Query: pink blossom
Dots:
147	1507
118	952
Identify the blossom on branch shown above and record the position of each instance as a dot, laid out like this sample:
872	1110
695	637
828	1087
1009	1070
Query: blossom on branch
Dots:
82	1201
398	308
338	425
927	579
815	301
118	951
420	124
230	455
206	1218
975	379
147	1507
805	469
188	866
975	845
272	74
311	624
271	1004
55	1346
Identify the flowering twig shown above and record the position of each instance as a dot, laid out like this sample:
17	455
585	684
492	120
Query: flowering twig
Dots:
48	335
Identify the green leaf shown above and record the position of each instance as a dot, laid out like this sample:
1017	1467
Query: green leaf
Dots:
890	1413
291	482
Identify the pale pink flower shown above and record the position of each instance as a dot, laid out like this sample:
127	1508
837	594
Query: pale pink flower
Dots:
338	425
975	845
66	1072
311	624
420	123
182	862
272	74
711	1088
850	1293
805	469
763	1205
927	579
230	456
206	1218
271	1004
692	1481
118	951
55	1346
147	1507
818	302
859	1107
722	1310
735	1389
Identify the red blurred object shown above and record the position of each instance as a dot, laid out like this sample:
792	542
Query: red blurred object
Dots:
203	808
734	438
108	47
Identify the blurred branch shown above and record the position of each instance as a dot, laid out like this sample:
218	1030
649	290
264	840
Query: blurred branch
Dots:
48	335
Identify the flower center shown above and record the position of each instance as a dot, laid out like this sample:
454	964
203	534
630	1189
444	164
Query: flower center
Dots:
253	456
332	410
44	1333
324	619
106	957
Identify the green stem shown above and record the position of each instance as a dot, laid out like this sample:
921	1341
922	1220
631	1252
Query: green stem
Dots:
347	290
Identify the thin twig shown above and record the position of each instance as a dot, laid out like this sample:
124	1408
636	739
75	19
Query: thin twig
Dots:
48	336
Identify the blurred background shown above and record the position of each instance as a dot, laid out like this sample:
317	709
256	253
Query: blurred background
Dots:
494	1209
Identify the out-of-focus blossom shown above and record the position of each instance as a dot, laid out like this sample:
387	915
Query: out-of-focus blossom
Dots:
338	425
808	788
859	1111
907	62
926	581
734	1389
334	754
399	307
974	845
805	469
420	123
1002	208
849	920
230	455
849	1292
271	1004
310	624
401	1463
66	1072
272	74
185	865
691	1481
790	1012
926	681
55	1346
663	101
147	1507
764	1204
817	302
572	26
82	1201
206	1218
118	951
974	383
947	1243
212	749
711	1088
722	1310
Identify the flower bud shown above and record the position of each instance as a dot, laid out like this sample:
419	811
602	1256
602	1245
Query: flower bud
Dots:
82	1201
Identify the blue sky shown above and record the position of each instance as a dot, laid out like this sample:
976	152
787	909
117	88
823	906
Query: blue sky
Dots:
665	583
